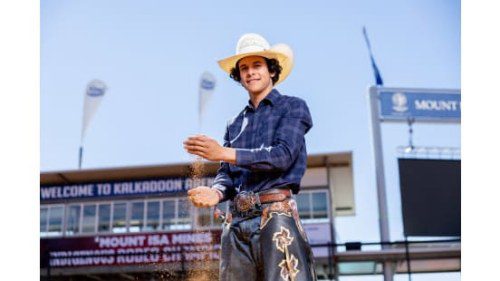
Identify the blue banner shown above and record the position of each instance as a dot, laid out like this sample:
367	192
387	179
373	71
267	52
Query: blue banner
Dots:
401	105
123	188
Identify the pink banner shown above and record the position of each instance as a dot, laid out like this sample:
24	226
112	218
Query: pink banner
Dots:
128	249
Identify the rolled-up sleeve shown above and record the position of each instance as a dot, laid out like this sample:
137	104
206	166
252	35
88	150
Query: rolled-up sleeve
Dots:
223	181
288	140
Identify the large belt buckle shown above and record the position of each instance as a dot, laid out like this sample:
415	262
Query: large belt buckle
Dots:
246	201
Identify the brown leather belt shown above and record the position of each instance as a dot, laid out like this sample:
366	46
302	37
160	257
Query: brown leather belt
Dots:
245	201
274	195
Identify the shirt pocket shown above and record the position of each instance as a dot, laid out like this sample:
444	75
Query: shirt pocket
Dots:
267	129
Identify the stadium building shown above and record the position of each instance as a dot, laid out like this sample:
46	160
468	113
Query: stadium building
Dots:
135	223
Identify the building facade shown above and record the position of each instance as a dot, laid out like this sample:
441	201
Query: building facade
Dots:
135	223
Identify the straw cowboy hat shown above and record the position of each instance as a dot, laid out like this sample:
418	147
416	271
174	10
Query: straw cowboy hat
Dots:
252	44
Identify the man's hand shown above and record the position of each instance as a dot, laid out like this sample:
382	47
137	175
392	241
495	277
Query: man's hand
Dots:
203	196
209	149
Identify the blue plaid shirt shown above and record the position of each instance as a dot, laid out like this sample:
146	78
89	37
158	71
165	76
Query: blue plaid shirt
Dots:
270	146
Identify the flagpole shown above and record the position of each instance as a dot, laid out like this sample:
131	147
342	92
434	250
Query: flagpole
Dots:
388	266
80	157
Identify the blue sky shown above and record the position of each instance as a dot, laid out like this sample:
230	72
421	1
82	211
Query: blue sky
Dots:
152	53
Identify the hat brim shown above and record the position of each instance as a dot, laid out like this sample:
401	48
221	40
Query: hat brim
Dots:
285	61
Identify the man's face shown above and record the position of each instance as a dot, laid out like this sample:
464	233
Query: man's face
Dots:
255	76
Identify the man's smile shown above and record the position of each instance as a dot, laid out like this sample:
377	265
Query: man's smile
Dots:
252	80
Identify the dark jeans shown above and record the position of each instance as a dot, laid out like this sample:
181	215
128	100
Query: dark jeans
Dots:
267	247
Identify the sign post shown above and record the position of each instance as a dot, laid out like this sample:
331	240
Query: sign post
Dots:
401	105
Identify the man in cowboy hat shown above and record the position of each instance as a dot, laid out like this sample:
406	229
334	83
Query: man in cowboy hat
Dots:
263	160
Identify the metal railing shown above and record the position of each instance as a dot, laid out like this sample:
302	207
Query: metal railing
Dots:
334	256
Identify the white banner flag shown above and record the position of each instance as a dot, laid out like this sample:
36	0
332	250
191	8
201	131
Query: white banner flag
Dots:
93	95
207	86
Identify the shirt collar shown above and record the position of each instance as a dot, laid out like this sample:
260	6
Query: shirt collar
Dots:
271	98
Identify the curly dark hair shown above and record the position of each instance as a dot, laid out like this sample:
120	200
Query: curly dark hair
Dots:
273	66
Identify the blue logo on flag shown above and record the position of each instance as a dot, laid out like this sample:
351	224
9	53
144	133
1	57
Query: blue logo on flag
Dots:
207	84
95	91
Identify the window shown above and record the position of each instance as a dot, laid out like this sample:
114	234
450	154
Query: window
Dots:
55	220
104	219
136	223
312	205
51	220
73	220
119	217
169	214
152	215
183	214
319	205
44	213
303	205
89	218
176	214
